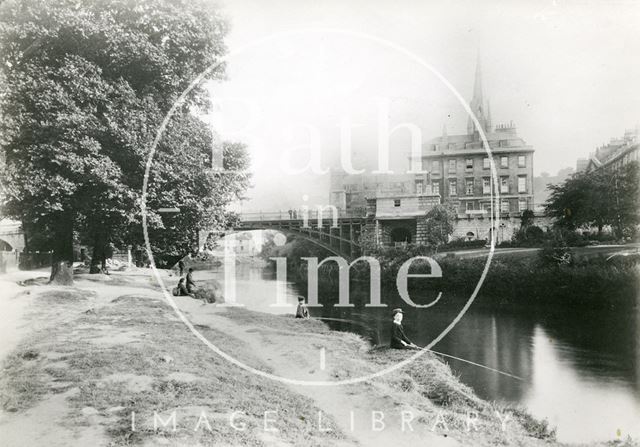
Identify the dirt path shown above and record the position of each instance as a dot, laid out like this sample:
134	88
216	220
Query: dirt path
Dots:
22	314
14	302
373	413
351	406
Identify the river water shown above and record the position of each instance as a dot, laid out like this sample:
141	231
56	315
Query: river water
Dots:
580	369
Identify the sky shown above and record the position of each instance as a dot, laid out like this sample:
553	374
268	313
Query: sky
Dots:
566	73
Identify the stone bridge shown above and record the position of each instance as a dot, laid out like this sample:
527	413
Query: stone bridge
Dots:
11	235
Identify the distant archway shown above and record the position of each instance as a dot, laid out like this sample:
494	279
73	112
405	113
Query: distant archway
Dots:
400	234
5	246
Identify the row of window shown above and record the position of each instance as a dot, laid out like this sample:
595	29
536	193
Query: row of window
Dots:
504	205
434	187
486	164
453	146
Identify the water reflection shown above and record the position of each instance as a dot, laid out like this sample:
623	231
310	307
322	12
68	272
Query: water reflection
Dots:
580	368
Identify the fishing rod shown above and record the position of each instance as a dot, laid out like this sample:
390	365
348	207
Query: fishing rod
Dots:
472	363
342	320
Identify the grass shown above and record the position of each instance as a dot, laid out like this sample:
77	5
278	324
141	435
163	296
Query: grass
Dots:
68	357
134	355
426	384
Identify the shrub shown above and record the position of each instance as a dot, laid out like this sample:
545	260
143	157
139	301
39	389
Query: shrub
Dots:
463	243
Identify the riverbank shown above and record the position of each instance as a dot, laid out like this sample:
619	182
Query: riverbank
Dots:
529	278
96	360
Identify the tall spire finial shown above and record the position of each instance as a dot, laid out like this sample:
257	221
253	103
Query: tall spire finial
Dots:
477	101
477	84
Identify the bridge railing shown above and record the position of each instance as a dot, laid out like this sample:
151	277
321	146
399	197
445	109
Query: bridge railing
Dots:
299	215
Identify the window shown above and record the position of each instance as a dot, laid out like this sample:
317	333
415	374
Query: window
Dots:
522	183
468	164
469	187
419	186
486	186
396	203
452	165
522	205
485	163
435	166
504	185
453	187
504	206
469	206
504	162
521	161
486	207
436	188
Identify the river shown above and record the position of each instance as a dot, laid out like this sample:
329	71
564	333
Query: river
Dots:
580	369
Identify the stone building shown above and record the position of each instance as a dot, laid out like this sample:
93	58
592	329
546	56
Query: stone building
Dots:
617	153
455	169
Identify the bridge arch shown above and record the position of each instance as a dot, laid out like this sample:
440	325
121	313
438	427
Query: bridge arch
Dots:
340	240
5	245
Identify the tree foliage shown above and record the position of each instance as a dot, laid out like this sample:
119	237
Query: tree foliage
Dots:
84	88
598	199
440	224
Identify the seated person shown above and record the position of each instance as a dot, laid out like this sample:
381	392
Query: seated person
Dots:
181	289
191	285
302	311
398	339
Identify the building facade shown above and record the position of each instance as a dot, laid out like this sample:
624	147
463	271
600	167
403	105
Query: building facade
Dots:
617	153
453	169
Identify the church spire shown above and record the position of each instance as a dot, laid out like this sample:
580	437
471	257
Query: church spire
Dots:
477	102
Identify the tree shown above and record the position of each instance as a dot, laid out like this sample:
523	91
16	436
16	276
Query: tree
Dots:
440	223
527	219
186	179
84	88
625	190
597	199
581	200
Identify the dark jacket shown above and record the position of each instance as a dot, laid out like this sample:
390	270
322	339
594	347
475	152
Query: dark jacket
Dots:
190	283
302	311
397	334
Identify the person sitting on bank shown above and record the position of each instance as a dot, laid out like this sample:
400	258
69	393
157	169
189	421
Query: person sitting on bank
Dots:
181	289
398	338
302	311
190	284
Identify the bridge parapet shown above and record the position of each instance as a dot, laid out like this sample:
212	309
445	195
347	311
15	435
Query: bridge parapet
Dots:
338	232
327	215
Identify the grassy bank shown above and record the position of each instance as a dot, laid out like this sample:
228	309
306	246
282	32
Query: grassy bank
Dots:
427	387
133	356
515	280
103	351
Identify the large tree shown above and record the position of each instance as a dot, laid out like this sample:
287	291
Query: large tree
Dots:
439	225
84	88
597	199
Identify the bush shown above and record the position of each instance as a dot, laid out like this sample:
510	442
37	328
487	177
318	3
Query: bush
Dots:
463	243
534	234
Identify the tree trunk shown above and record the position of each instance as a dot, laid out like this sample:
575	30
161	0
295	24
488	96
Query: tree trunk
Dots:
97	259
62	259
